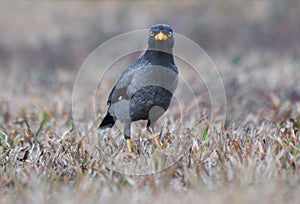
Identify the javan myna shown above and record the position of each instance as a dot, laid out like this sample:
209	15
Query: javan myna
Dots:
145	89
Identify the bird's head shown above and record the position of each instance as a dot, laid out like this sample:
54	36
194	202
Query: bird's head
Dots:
161	38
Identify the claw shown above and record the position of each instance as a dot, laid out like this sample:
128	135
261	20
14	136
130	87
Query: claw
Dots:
109	133
158	141
155	138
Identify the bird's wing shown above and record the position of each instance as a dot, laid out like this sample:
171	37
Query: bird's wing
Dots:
175	69
110	95
120	91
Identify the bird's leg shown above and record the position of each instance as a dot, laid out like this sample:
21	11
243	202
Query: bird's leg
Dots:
127	135
128	144
150	128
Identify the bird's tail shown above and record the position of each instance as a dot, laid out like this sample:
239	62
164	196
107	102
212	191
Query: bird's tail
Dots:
107	122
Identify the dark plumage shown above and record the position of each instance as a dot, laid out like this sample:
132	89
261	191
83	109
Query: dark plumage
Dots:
145	89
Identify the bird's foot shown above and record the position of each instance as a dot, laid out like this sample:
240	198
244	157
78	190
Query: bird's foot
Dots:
109	132
156	139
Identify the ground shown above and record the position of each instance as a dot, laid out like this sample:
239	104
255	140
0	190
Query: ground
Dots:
251	155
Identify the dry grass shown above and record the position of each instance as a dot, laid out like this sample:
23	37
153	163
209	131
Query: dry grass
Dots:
252	156
253	159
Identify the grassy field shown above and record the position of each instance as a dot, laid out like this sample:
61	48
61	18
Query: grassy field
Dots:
251	156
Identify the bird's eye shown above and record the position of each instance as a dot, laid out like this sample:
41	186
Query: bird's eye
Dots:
170	34
151	33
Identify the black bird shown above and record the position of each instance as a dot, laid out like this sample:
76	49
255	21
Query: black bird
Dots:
145	89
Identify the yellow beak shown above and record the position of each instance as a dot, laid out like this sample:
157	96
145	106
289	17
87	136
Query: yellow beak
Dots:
160	36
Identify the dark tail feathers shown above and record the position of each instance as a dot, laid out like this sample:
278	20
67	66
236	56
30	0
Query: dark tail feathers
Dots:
107	122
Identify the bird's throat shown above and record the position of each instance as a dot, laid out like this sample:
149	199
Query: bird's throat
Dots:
158	57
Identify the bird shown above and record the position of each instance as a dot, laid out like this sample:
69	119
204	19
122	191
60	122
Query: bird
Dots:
145	89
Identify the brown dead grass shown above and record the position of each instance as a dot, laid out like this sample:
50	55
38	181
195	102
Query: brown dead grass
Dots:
251	157
43	159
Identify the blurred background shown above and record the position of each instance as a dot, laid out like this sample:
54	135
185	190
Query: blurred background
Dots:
255	44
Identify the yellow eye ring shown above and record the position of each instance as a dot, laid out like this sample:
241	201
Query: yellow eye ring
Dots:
170	34
151	33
